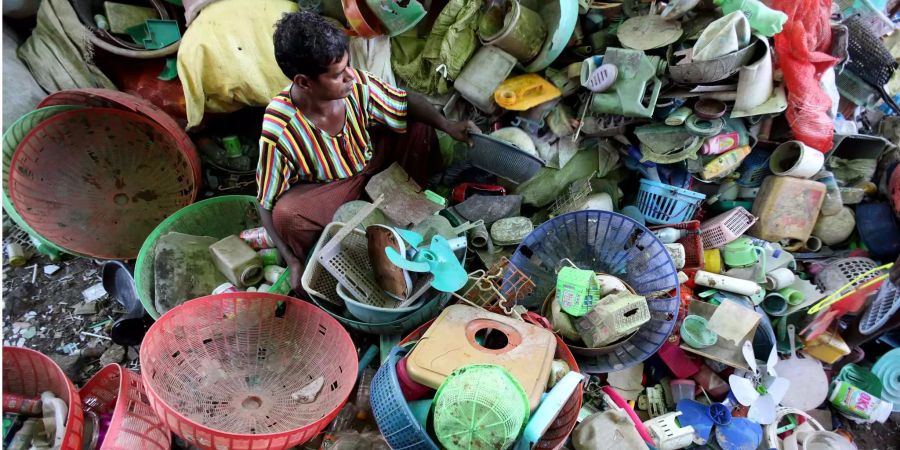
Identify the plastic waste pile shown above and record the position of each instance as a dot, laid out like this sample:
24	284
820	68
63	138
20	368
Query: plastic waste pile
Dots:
675	227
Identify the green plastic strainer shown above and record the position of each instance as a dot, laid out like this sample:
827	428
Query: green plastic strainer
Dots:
480	406
695	332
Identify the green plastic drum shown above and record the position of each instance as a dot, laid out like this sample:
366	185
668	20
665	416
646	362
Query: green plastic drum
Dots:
12	137
218	217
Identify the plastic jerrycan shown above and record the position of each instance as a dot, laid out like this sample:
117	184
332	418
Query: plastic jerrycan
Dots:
637	71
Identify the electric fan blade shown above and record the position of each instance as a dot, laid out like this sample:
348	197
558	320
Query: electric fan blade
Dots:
403	263
772	362
750	357
411	237
762	411
449	274
743	389
740	434
778	388
695	414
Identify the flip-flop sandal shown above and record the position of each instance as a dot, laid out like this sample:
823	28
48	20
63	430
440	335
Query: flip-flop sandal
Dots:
395	281
602	78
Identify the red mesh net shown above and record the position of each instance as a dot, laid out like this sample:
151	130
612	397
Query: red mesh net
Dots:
803	53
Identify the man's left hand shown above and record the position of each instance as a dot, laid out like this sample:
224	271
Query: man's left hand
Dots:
460	130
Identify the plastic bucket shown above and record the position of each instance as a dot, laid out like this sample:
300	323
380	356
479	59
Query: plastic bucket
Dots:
521	34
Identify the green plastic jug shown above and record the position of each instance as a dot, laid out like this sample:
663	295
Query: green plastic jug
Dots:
637	72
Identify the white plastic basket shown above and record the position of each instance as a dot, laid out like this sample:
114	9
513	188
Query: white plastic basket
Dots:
666	433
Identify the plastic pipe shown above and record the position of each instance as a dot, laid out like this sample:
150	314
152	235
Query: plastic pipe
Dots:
726	283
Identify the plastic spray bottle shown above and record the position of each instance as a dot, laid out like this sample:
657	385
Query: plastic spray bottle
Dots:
856	402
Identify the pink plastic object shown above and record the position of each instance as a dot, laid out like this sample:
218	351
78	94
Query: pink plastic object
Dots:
29	373
682	389
108	98
726	227
221	370
678	361
120	392
720	143
411	390
621	403
711	382
97	181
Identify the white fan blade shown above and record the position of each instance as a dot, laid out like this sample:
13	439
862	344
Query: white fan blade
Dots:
762	411
743	389
750	357
778	389
772	362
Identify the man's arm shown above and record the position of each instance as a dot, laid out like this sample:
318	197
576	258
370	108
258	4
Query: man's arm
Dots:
294	262
422	111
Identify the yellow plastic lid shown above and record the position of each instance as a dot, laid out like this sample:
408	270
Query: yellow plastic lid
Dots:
524	92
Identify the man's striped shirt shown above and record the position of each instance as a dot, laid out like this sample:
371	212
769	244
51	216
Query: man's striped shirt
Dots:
293	149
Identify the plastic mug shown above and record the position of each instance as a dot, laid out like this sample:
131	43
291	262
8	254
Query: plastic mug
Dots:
792	296
779	279
775	304
795	159
740	253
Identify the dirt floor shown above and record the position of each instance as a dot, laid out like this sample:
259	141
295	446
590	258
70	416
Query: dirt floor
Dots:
39	312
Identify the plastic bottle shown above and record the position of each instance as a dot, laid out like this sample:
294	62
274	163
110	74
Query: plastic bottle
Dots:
363	391
273	273
833	202
764	20
856	402
725	163
44	249
669	235
844	126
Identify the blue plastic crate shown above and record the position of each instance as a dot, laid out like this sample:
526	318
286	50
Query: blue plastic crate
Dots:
606	242
391	411
663	204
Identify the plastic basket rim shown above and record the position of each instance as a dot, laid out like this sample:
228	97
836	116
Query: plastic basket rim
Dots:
118	413
8	207
264	296
390	363
73	397
675	189
153	237
135	116
138	105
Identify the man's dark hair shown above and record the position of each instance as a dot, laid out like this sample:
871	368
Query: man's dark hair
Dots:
305	43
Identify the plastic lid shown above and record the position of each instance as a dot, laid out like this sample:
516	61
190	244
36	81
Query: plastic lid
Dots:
883	411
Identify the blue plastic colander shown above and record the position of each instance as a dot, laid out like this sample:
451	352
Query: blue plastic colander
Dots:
663	204
611	243
396	421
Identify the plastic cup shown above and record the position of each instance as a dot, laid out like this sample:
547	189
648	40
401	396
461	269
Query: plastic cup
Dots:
682	389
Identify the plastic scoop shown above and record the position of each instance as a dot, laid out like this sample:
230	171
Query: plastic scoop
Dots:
809	384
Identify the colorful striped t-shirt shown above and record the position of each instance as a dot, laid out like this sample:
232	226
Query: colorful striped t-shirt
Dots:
293	149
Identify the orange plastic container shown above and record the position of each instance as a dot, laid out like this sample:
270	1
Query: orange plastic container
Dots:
787	208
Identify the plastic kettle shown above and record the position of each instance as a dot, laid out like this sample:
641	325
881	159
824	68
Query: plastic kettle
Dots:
636	72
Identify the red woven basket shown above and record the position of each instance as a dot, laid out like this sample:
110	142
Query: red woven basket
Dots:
29	373
220	370
134	424
108	98
561	428
693	243
97	181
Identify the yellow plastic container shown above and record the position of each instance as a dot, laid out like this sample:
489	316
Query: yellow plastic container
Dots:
828	347
712	260
525	92
787	208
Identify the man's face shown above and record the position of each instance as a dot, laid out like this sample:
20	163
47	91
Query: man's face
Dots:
336	83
